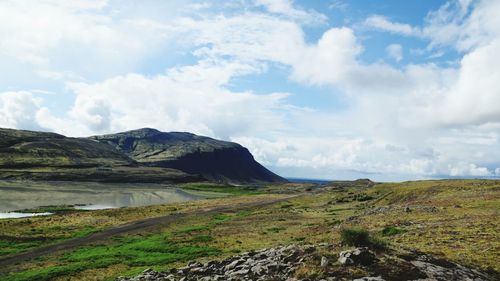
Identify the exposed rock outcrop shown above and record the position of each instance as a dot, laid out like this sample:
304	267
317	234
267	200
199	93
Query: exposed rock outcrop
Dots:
286	263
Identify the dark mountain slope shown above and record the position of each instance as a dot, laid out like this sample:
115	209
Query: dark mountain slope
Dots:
48	156
213	159
27	149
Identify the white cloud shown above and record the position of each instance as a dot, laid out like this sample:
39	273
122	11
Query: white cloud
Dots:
192	98
18	110
395	51
288	9
339	5
464	169
65	40
383	23
464	24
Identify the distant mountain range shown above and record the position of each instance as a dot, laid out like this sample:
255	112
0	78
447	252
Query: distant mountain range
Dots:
144	155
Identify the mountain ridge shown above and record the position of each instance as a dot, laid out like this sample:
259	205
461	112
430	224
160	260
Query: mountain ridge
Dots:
213	159
142	155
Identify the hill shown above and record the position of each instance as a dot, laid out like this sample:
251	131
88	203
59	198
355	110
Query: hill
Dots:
215	160
48	156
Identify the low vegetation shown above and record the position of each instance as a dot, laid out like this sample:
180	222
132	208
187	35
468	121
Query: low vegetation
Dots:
455	220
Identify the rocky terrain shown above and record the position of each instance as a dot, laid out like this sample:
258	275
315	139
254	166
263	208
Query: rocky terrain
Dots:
213	159
288	263
145	155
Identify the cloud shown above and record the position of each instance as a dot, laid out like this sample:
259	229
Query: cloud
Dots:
191	98
395	51
288	9
60	40
18	110
465	25
464	169
416	120
382	23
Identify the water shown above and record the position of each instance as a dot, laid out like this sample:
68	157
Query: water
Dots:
15	215
18	195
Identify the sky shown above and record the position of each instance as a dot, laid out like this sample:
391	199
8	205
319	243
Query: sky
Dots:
333	89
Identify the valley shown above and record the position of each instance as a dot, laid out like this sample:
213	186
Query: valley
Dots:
453	220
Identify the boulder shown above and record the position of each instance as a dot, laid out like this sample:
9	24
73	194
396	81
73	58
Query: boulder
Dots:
356	256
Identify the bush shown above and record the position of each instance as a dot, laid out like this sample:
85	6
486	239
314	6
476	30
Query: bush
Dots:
391	230
360	238
355	237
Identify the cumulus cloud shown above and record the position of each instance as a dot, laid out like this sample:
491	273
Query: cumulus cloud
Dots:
395	51
60	40
19	109
192	98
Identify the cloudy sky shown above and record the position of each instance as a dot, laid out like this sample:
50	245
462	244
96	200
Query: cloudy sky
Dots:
334	89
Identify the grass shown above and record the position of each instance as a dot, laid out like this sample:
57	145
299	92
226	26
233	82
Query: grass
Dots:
221	188
52	209
391	231
130	251
455	220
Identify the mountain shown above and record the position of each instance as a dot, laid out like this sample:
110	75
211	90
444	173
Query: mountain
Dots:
144	155
49	156
214	160
27	149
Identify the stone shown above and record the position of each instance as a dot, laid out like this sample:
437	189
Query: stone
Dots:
281	263
356	256
324	262
370	279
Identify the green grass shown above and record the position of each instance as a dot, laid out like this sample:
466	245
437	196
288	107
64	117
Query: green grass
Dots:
391	231
191	229
52	209
12	247
48	273
222	188
131	251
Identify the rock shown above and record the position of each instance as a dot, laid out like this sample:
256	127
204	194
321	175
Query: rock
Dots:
324	262
444	270
370	279
356	256
281	263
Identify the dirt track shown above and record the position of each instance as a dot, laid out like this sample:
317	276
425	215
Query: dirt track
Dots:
124	229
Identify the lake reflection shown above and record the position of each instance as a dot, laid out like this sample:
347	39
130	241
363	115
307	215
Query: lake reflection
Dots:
17	195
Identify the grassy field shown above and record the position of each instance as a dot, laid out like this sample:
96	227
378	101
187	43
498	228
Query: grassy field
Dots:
452	219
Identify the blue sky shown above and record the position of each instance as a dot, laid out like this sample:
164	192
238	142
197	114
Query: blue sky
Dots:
390	90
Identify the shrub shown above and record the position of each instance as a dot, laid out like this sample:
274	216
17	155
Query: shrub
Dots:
391	230
360	238
355	237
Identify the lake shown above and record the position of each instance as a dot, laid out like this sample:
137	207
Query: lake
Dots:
19	195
